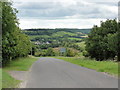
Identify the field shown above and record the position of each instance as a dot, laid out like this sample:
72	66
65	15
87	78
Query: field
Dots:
62	33
54	38
75	38
45	35
101	66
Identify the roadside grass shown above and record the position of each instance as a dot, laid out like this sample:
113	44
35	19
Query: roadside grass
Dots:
109	67
8	81
20	64
0	78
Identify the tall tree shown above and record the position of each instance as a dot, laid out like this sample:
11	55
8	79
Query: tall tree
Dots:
102	41
14	42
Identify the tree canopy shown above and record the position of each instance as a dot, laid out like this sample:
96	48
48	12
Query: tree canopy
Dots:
102	42
14	42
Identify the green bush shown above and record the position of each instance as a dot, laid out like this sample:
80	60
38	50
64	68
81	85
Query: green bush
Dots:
50	52
85	53
70	53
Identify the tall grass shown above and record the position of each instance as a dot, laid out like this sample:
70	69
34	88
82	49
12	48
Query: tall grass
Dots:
21	64
109	67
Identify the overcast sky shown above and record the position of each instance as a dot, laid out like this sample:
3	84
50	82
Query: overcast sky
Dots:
64	13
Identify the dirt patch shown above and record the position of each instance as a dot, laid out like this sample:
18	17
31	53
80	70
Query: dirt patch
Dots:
20	75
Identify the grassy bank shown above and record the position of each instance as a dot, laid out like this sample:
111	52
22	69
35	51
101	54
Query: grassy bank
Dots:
109	67
0	78
20	64
8	81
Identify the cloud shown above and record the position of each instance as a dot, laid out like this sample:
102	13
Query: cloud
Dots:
54	13
63	9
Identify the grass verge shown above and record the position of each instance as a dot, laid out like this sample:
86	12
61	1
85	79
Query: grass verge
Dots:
8	81
20	64
109	67
0	78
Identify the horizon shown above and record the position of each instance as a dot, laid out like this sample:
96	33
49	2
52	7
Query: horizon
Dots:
55	28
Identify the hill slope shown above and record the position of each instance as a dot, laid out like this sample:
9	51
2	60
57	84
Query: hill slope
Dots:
56	37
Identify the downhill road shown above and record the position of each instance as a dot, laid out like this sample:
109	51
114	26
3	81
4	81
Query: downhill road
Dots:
56	73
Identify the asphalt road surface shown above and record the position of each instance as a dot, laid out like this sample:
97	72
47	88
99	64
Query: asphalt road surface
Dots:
56	73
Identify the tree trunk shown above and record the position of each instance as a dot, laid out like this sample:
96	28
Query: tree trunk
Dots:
118	56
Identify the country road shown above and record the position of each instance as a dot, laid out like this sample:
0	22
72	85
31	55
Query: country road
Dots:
56	73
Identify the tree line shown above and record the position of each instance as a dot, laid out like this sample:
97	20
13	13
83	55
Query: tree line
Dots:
48	31
102	42
69	52
14	43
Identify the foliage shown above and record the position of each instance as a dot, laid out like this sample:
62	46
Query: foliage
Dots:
50	52
101	43
81	45
70	53
45	38
85	53
14	42
55	38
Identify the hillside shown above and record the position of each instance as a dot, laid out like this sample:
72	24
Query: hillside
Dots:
50	35
43	39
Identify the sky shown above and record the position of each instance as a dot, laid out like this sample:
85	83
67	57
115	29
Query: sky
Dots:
64	13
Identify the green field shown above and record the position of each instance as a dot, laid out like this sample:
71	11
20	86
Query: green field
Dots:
62	33
37	36
109	67
75	38
21	64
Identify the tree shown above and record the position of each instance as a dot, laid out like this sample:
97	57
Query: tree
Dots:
50	52
70	53
14	42
102	41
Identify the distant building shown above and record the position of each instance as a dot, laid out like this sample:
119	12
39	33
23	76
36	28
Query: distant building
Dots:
47	43
37	43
